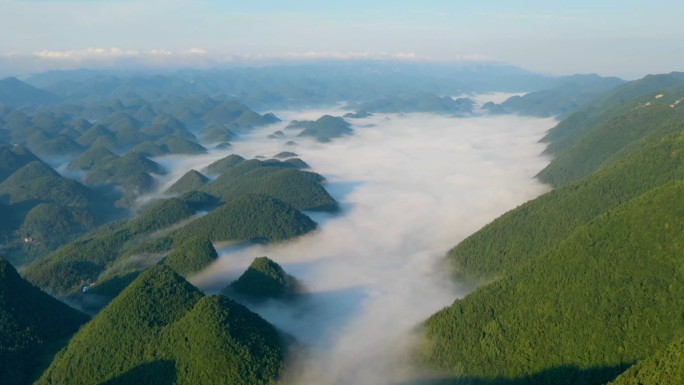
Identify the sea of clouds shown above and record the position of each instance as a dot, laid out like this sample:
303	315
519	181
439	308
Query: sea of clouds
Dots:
411	186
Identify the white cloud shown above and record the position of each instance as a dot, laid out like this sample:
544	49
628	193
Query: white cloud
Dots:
196	51
411	186
87	53
337	55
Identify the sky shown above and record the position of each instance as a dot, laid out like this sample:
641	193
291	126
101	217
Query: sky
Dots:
626	38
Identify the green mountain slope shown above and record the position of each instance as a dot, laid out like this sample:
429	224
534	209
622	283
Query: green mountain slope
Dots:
570	93
418	102
249	217
83	260
161	215
57	146
30	321
119	170
37	182
324	128
14	92
92	157
301	189
52	225
617	137
664	367
264	278
603	298
531	229
178	145
162	330
224	164
191	256
12	158
190	181
621	100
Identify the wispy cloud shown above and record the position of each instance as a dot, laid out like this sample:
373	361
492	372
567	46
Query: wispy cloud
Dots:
112	53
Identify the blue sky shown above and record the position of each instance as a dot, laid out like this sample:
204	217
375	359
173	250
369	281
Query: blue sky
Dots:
627	38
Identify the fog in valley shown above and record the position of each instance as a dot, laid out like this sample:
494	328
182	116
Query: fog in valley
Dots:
411	186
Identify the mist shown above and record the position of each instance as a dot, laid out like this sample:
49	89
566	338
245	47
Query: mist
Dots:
411	186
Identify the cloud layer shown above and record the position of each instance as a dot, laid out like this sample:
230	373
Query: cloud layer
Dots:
411	187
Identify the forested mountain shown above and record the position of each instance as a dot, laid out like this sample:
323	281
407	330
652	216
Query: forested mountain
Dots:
190	181
420	102
31	324
249	217
650	118
616	102
323	129
41	208
162	330
191	256
14	92
580	283
301	189
264	278
293	85
664	367
566	95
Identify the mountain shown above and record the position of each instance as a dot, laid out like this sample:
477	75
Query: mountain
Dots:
84	260
617	137
93	157
578	284
568	94
37	182
177	145
161	215
45	210
164	125
600	300
58	146
280	180
536	226
324	128
162	330
250	217
124	170
222	165
619	101
285	155
191	180
91	135
218	134
237	115
50	225
149	149
191	256
419	102
305	84
664	367
31	322
12	158
15	93
265	278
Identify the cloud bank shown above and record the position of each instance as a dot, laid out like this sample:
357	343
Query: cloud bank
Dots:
411	187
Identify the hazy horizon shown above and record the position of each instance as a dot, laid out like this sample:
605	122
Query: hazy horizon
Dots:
628	39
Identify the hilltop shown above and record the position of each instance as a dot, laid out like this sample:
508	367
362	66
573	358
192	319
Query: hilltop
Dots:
161	329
